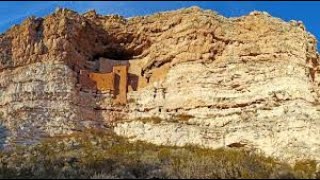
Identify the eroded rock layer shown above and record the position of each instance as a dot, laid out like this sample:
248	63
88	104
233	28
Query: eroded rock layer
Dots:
207	80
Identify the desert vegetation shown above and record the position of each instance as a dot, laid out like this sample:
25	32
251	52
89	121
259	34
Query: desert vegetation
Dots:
97	154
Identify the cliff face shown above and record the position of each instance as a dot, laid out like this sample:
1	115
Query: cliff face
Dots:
258	88
216	82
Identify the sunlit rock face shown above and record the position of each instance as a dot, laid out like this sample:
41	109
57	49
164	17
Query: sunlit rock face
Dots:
248	82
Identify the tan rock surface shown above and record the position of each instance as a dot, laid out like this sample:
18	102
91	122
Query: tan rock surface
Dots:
251	80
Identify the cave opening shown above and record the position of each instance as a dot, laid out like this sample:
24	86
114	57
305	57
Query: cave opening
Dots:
117	52
113	54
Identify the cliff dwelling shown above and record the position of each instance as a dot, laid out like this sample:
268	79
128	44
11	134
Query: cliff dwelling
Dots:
111	77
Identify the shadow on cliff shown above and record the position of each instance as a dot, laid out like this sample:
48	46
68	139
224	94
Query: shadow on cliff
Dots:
3	135
90	113
133	81
38	29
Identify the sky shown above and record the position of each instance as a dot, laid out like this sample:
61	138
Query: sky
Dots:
12	12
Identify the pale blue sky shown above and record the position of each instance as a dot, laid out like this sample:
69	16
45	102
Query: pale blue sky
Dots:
15	12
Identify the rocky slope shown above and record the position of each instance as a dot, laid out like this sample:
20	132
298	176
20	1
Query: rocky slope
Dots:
247	82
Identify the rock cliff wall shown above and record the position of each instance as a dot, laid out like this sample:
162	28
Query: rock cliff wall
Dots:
258	89
247	82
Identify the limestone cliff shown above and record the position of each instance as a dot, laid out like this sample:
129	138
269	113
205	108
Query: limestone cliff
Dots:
257	88
250	81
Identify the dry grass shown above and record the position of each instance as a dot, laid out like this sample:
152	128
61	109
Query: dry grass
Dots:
306	169
183	117
153	120
131	100
98	154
